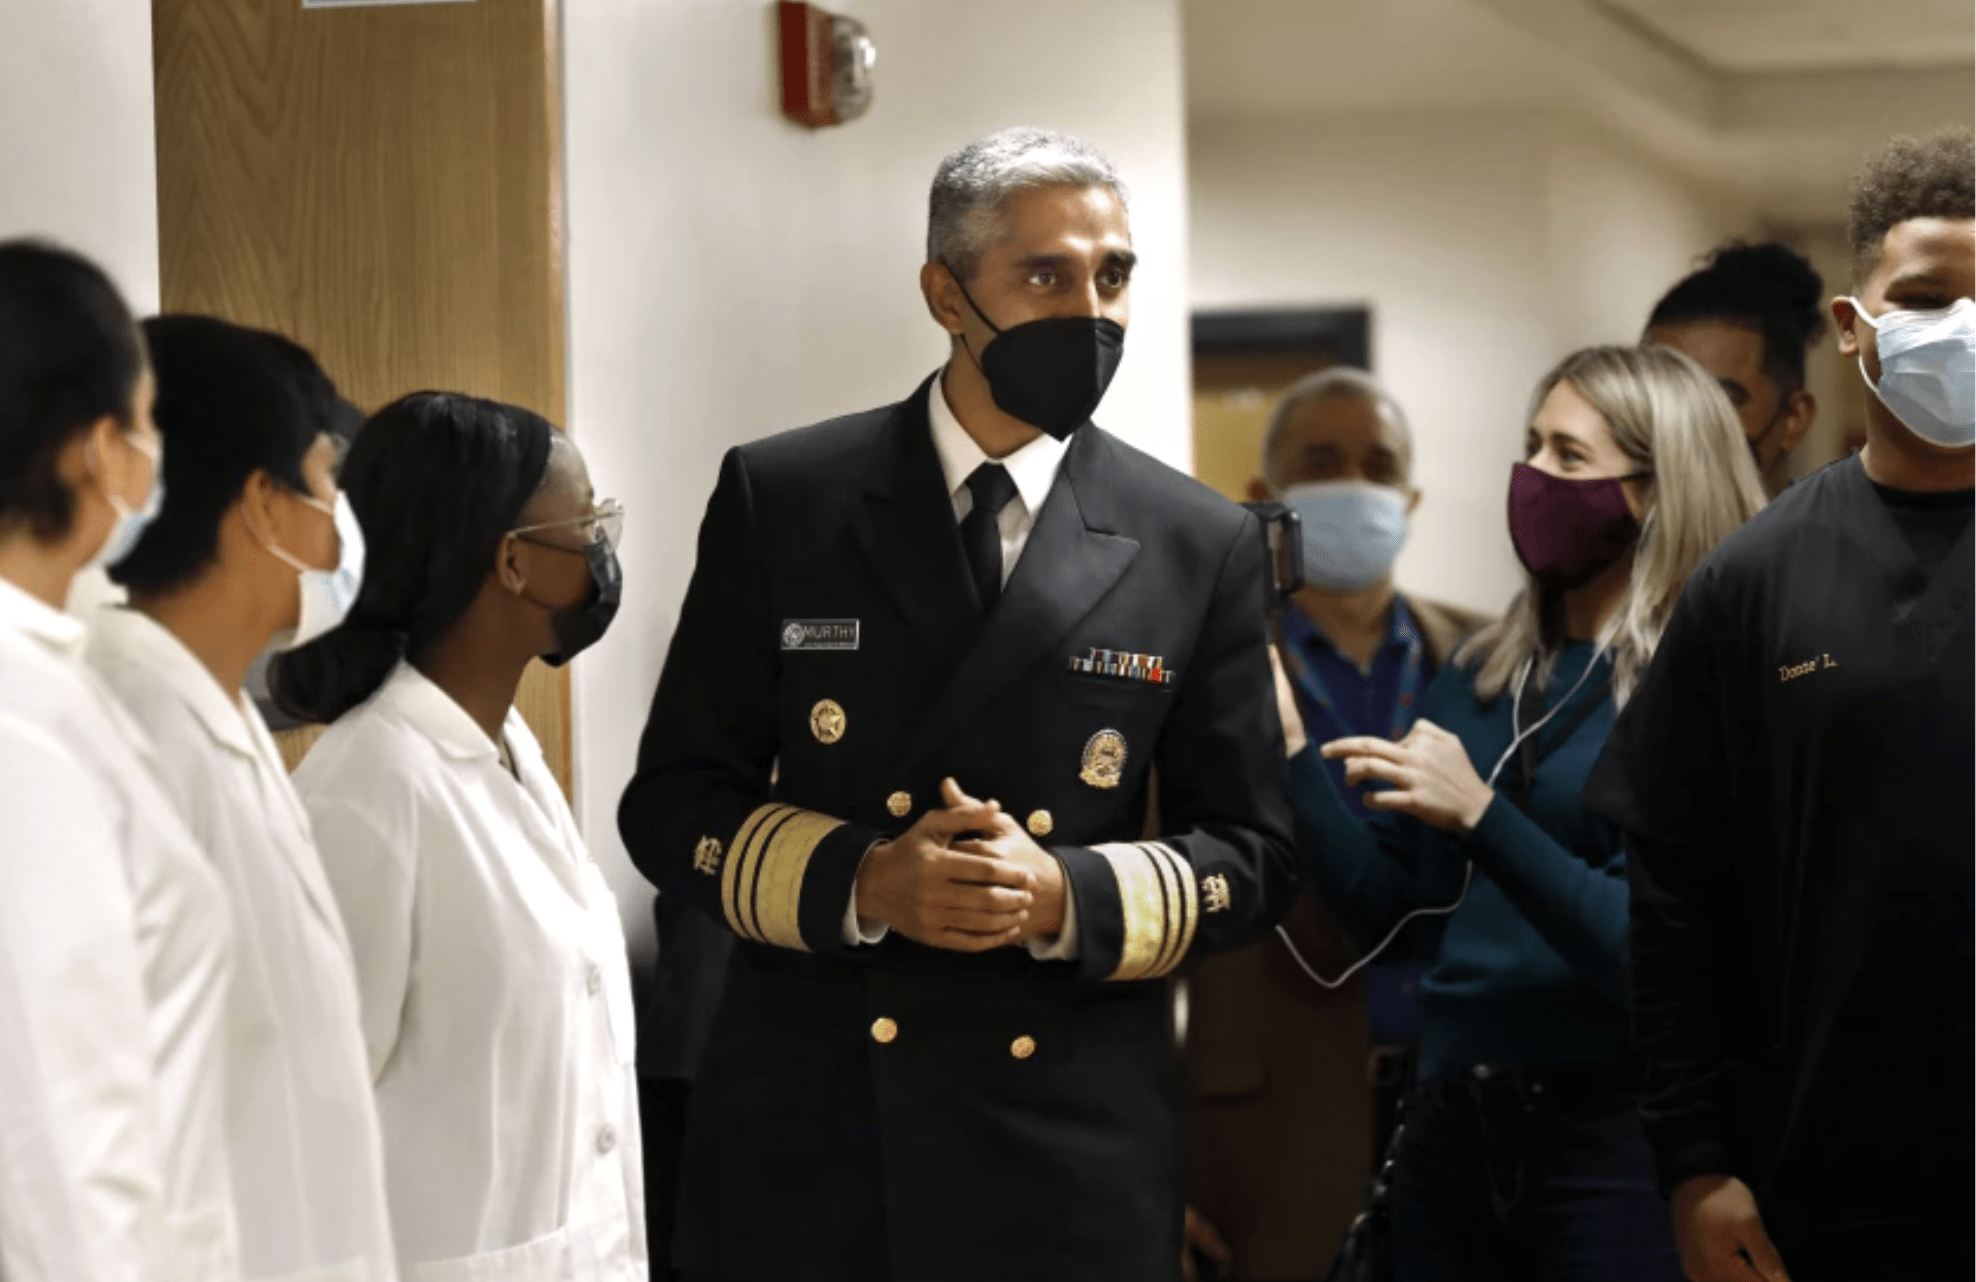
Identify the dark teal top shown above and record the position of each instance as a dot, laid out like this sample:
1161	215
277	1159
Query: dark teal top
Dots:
1531	968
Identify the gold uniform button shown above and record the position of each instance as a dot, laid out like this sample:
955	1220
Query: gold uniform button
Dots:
884	1031
1023	1047
899	804
1041	824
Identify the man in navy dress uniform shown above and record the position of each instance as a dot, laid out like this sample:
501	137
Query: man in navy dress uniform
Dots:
932	660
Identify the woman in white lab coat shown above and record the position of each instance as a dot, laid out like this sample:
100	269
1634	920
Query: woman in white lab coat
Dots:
496	993
254	541
115	941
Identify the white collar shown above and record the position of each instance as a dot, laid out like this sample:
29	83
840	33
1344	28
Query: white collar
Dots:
61	634
1033	468
130	636
416	699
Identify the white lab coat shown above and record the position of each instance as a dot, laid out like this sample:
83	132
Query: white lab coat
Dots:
302	1133
496	995
116	948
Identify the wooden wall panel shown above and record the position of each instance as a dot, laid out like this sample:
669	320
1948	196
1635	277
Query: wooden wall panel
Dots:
384	185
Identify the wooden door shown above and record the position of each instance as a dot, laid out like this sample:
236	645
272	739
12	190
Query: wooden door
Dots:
1234	395
383	184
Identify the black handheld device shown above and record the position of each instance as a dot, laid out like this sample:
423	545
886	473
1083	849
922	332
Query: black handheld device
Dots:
1283	542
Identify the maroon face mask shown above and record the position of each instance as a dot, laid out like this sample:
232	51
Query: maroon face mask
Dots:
1566	532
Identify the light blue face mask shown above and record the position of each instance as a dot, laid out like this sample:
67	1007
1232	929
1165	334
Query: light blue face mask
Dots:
131	524
1353	531
327	595
1927	370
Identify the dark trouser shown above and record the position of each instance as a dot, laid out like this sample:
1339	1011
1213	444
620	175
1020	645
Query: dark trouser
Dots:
662	1105
1907	1253
1528	1175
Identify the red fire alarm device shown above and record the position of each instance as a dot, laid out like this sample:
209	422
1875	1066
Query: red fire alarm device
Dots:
827	60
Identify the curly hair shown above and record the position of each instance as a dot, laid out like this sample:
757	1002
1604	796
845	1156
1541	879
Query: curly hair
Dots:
1769	289
1929	177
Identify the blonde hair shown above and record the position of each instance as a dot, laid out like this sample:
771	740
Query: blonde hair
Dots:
1670	417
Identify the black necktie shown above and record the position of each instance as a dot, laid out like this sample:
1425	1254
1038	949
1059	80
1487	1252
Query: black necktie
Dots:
981	537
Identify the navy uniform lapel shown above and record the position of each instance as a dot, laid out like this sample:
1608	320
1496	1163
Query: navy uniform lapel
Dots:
1073	557
907	530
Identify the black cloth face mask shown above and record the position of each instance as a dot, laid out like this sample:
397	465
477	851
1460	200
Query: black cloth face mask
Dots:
580	627
1049	373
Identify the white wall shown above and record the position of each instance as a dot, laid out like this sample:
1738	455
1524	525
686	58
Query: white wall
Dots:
78	161
78	155
1487	245
732	275
1622	229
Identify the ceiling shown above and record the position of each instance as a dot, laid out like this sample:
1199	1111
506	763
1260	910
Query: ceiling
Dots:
1775	99
1769	36
1250	56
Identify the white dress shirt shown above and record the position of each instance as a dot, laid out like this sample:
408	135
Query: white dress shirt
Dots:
496	995
1034	469
116	948
302	1135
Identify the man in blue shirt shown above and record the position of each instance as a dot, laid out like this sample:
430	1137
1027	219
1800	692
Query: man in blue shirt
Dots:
1282	1128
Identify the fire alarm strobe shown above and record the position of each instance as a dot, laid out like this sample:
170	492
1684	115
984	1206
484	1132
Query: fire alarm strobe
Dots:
826	66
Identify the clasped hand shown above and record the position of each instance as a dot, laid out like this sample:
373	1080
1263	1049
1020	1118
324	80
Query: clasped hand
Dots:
965	878
1428	775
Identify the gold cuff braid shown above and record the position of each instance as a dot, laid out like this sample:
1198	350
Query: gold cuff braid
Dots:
1160	905
761	887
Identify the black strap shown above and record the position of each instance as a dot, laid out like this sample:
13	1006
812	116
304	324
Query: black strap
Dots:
1532	751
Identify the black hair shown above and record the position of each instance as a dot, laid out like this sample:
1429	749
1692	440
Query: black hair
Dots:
231	402
1769	289
436	481
1931	177
70	355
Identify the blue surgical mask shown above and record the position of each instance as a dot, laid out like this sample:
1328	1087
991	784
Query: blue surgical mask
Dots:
131	523
1353	531
1927	370
327	595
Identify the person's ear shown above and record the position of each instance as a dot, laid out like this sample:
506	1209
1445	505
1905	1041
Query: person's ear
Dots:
509	567
1259	491
1637	495
943	297
259	511
99	459
1799	415
1843	318
1413	499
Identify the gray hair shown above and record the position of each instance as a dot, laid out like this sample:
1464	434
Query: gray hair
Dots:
972	185
1339	382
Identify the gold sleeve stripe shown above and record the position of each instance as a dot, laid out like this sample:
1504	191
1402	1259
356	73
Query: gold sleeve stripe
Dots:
737	878
1156	900
1187	903
762	884
1169	884
779	892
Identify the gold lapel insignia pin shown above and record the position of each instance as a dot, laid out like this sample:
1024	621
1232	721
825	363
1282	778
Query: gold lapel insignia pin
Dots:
707	856
827	721
1104	760
1214	893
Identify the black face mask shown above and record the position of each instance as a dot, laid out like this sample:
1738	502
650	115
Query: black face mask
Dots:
580	627
1050	373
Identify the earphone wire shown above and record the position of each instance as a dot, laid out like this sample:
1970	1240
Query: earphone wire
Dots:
1468	877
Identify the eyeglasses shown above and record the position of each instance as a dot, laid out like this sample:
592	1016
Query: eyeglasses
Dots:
604	523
